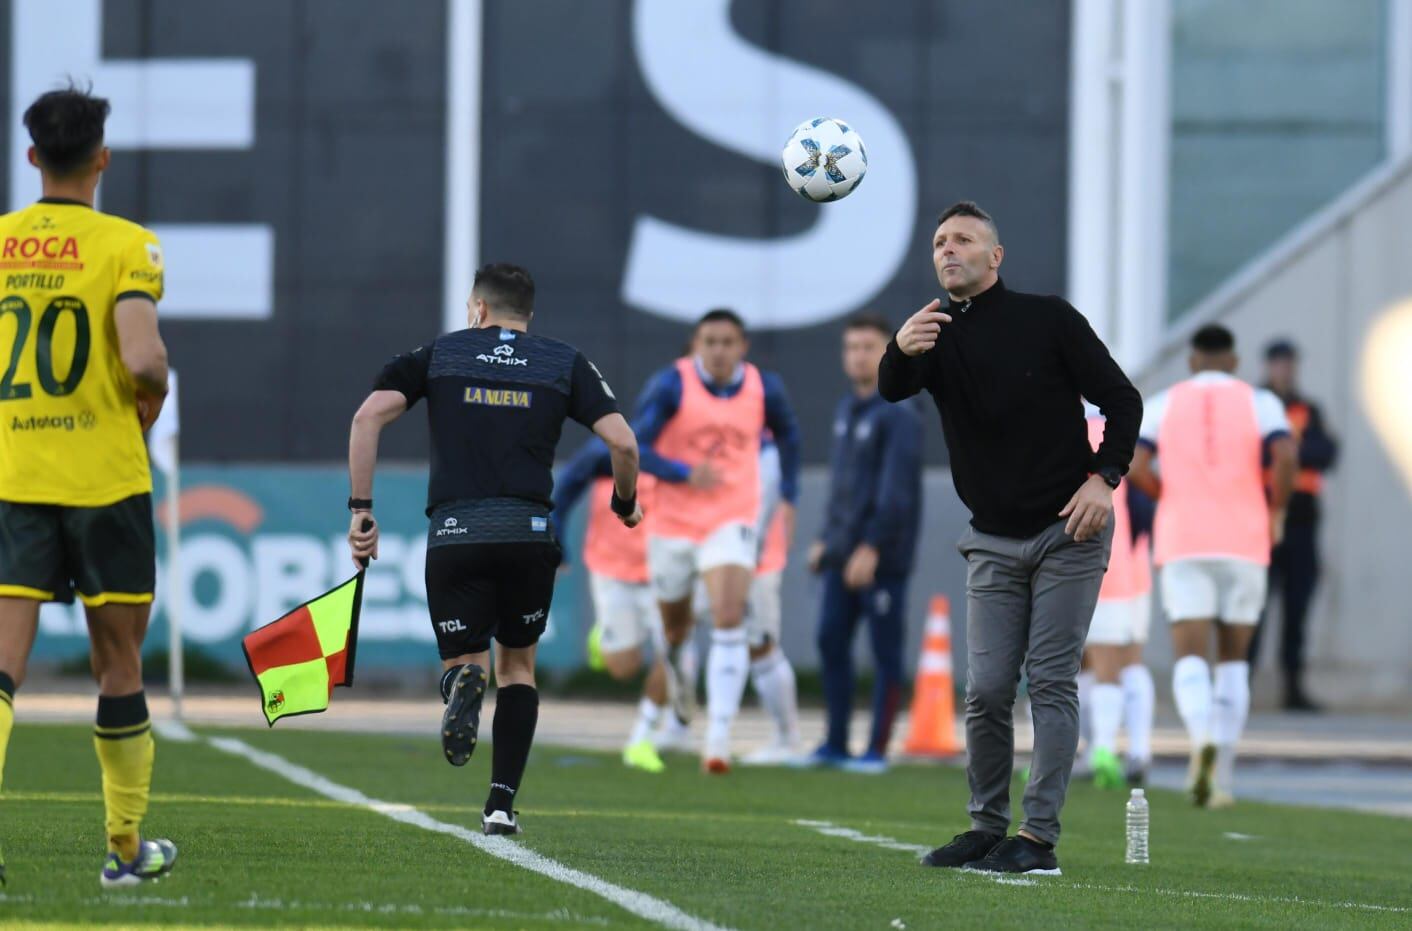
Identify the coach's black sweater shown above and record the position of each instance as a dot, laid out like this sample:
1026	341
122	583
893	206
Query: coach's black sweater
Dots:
1008	375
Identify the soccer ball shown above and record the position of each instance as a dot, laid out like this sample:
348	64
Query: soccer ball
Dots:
824	160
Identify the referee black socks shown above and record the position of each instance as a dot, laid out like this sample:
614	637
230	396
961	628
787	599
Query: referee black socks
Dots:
516	714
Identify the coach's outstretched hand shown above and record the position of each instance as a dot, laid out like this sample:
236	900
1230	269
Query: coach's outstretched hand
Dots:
922	329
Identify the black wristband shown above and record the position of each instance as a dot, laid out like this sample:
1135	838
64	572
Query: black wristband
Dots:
623	508
360	504
1111	475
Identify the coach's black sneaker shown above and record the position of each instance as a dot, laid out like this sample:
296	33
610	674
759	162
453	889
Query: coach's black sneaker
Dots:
1019	855
501	822
963	849
461	720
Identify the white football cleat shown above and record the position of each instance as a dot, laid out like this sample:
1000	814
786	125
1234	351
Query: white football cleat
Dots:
775	753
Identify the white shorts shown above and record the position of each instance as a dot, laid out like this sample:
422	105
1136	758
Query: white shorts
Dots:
675	563
1229	590
1120	622
762	610
626	611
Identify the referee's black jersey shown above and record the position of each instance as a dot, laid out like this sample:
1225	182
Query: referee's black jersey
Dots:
496	402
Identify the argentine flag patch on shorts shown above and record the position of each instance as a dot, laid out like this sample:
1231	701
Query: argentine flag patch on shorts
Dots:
539	524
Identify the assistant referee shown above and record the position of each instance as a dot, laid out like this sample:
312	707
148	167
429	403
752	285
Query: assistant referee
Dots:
1008	372
497	399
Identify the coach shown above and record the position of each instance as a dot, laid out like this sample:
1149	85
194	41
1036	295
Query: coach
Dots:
1008	372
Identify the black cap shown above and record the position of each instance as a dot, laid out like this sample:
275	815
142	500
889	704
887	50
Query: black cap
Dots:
1281	349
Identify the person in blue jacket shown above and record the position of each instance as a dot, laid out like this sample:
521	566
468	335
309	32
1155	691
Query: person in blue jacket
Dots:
865	551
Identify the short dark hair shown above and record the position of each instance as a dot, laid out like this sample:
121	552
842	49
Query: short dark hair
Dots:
1281	349
67	128
508	289
969	208
719	314
1213	338
869	321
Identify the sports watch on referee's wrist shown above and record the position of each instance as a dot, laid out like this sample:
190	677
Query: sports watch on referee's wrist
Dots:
360	504
623	507
1112	476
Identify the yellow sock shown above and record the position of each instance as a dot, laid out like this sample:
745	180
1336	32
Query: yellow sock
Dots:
7	718
123	739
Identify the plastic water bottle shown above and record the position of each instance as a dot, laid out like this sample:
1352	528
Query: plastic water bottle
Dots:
1137	827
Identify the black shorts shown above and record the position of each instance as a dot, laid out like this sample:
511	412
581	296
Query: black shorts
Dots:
476	591
108	554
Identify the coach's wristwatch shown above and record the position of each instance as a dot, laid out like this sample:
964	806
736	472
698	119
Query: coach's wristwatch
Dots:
1111	475
360	504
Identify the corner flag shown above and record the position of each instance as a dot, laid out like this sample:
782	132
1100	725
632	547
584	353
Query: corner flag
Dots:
298	659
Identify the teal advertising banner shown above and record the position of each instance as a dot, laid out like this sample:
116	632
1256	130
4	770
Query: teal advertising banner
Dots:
257	541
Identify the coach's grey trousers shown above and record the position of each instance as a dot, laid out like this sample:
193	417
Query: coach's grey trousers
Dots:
1028	601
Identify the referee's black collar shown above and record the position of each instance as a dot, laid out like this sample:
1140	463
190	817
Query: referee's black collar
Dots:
64	200
989	296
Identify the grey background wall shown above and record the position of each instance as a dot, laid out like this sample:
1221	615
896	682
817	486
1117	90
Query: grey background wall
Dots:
1340	287
348	167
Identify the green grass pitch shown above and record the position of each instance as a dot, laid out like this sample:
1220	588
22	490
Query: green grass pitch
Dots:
259	851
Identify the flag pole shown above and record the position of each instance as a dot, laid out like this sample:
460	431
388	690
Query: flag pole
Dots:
164	444
176	671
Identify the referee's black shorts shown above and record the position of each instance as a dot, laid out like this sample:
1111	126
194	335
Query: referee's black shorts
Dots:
476	591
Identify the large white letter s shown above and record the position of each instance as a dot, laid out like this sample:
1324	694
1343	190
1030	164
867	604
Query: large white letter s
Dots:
708	79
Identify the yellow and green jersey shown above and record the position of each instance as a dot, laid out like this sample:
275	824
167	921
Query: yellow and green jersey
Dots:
69	433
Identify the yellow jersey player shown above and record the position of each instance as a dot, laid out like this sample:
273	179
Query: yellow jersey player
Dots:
83	372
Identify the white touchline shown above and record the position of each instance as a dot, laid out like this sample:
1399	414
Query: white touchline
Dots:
833	830
890	843
639	903
174	730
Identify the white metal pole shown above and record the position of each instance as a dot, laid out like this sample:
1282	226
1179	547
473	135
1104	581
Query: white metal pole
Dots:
176	671
463	92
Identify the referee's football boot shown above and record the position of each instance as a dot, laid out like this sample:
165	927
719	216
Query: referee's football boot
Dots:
1019	855
460	722
501	822
155	859
964	848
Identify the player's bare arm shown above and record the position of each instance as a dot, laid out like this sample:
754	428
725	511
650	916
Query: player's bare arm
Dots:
380	409
1141	474
143	353
614	431
1284	463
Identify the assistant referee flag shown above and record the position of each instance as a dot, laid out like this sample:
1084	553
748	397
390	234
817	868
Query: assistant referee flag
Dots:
298	659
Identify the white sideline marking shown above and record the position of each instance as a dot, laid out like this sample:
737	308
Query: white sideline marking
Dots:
639	903
889	843
833	830
1236	835
173	730
398	908
380	908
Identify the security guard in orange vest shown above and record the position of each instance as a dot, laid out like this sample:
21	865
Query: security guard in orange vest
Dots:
1294	562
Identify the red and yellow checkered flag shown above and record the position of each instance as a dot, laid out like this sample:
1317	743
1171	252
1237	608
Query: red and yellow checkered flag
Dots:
298	659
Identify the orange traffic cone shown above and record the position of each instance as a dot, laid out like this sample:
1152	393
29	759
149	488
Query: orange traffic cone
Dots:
932	726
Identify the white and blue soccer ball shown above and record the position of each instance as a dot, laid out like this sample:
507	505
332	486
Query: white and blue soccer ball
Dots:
824	160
